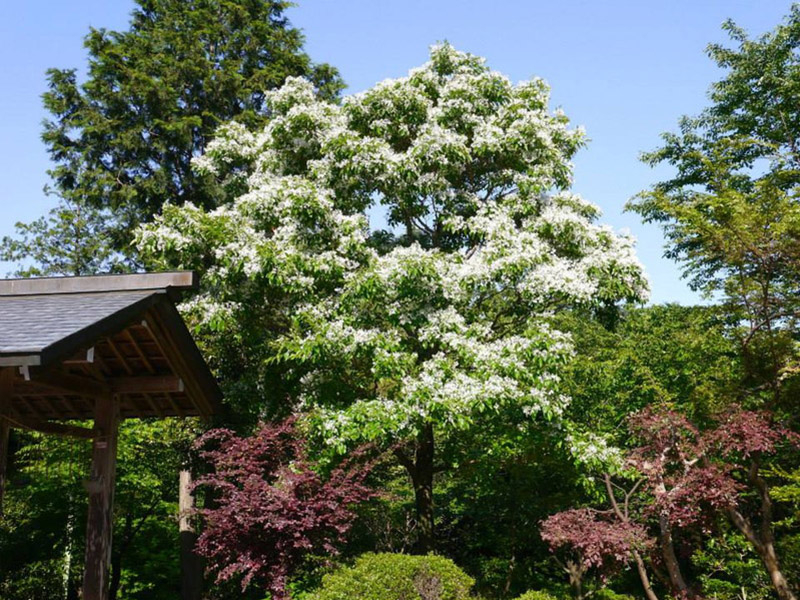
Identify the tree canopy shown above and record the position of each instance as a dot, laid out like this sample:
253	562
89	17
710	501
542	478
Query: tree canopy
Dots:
412	337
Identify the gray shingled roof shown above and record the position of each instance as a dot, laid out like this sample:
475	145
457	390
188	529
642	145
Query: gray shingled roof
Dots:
30	325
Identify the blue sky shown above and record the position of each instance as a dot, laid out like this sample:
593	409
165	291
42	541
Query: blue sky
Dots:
625	70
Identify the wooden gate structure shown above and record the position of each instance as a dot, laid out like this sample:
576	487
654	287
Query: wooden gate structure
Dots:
99	348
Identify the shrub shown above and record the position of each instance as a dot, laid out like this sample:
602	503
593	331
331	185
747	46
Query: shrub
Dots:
609	594
537	595
396	577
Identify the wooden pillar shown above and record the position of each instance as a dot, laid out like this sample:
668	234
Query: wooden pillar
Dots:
191	563
100	488
6	386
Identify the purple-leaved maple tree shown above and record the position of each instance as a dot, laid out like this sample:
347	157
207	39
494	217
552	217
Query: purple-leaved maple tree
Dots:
592	539
688	478
272	506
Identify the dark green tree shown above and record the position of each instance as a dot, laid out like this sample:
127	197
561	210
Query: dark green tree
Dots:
122	141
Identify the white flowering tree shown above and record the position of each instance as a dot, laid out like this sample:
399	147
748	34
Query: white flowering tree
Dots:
418	337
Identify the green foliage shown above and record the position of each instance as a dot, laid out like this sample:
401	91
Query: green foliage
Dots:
71	240
43	525
396	577
42	531
667	354
609	594
490	507
730	570
752	127
536	595
730	214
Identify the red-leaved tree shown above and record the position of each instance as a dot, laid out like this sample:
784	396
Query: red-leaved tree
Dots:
272	506
684	489
589	539
694	475
688	479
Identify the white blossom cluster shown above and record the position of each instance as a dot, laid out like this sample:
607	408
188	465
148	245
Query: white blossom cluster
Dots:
448	324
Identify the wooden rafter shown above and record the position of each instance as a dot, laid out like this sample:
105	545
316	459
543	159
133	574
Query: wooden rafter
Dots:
138	350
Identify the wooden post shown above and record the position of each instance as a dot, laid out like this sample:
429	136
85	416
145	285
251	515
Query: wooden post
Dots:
191	563
100	488
6	385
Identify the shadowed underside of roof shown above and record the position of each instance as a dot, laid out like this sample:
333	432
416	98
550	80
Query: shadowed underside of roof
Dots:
71	341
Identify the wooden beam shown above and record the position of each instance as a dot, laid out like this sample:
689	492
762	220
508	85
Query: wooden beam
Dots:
54	428
141	354
84	358
72	384
100	488
154	406
191	563
186	360
6	389
150	384
119	356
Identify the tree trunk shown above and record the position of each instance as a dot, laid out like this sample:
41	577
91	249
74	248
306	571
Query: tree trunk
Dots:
779	582
576	573
677	582
422	479
766	552
642	570
116	558
624	517
763	540
420	471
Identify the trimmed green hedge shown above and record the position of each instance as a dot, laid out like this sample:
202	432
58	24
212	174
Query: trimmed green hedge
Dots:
396	577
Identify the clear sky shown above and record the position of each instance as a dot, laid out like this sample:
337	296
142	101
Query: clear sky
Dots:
624	69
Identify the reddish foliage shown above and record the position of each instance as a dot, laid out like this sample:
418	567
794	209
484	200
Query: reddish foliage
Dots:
666	437
599	542
742	433
690	473
686	487
273	506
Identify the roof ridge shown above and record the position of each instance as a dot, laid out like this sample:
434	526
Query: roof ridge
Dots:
90	284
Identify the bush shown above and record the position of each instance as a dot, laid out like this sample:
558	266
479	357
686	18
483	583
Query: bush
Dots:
396	577
609	594
536	595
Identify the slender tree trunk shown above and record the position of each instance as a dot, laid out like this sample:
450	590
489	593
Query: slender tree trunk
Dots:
764	546
779	582
667	546
576	573
766	552
762	539
116	559
623	515
642	570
